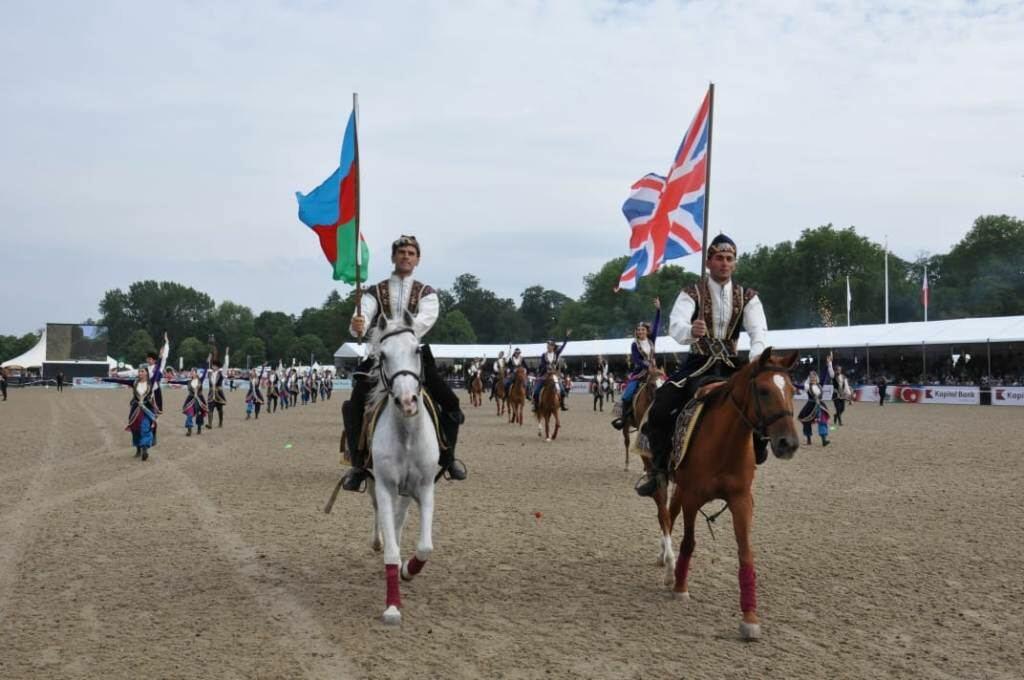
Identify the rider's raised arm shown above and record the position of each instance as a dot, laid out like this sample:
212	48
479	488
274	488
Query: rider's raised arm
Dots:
756	326
368	310
426	314
679	321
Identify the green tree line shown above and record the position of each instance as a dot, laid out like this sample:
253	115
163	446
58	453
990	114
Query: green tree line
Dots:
802	283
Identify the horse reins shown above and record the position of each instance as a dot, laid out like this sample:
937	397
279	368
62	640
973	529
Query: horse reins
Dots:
388	380
760	426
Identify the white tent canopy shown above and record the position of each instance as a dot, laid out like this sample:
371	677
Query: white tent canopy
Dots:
948	332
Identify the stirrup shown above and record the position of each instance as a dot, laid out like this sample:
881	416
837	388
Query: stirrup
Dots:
356	479
454	471
649	484
619	423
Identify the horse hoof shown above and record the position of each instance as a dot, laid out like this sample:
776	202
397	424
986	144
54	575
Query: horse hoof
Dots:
392	616
682	597
750	631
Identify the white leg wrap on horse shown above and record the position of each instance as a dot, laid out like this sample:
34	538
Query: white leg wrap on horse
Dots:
392	616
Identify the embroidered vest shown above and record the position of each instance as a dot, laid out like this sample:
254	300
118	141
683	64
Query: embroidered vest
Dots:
382	294
701	294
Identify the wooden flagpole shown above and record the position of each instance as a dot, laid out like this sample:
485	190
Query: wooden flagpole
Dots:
359	251
707	184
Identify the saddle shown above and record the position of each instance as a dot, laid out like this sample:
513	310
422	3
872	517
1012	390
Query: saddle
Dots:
687	422
372	416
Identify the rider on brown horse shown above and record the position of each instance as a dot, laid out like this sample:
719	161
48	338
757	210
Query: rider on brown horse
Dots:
393	297
549	362
641	358
497	373
708	316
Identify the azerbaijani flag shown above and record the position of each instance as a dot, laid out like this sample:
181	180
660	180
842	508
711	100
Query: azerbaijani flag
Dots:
331	210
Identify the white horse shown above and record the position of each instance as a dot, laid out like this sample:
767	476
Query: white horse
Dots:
405	457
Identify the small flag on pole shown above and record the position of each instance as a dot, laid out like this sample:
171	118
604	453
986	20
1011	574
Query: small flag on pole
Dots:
849	299
331	210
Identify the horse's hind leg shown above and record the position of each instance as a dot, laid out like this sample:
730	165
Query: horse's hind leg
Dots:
377	541
558	426
666	557
742	509
625	440
425	546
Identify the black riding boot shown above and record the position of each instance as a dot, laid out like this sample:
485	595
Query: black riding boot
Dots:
657	476
451	467
357	474
620	422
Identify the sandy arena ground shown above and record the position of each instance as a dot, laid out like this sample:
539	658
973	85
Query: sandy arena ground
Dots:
894	553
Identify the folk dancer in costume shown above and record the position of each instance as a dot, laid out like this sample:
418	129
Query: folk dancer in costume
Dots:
215	398
3	382
814	411
195	407
329	385
314	384
272	392
142	410
549	361
293	385
304	387
708	316
641	360
254	397
841	390
497	373
514	362
393	297
155	364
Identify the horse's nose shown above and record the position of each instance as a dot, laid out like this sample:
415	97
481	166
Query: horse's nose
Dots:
786	447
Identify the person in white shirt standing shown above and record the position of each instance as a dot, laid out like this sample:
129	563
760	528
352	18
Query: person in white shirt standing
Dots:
708	316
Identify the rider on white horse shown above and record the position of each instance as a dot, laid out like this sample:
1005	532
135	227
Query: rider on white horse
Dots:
549	361
393	297
641	360
708	316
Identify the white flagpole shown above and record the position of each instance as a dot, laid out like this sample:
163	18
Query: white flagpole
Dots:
887	280
848	299
927	293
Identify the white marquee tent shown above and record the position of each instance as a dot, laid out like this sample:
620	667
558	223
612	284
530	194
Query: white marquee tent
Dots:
949	332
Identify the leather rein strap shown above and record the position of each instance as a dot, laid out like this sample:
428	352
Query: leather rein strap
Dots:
761	425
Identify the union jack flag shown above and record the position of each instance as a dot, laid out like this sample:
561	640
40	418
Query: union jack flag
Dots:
666	215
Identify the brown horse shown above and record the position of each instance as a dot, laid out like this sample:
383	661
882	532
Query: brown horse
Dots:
548	405
642	400
499	395
517	396
476	390
720	465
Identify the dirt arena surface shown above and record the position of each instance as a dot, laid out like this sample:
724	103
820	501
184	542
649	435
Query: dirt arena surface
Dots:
896	552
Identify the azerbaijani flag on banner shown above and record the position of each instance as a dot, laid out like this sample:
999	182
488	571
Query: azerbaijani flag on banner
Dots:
330	210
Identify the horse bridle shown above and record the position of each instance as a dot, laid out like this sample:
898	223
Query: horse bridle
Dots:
760	427
388	380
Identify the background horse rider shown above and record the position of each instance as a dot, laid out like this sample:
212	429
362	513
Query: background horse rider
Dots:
514	362
549	362
641	359
393	297
708	316
497	373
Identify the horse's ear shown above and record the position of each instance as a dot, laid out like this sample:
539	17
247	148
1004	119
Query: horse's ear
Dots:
407	318
382	322
789	361
765	356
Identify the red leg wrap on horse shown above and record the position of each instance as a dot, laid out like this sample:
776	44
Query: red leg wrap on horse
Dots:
682	568
415	565
394	594
748	589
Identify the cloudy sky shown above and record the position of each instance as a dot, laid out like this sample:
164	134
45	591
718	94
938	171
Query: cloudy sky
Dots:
166	140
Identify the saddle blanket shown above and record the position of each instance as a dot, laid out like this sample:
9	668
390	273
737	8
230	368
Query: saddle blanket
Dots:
370	419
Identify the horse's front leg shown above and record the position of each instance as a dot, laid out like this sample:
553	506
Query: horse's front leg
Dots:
558	426
625	440
386	492
666	557
742	509
425	547
377	541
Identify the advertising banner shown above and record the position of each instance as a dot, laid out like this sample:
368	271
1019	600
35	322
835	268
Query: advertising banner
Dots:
1008	396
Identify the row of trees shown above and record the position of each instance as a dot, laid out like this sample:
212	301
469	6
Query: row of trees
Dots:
802	284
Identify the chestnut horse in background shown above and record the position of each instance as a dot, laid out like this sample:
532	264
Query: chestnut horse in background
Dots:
476	390
642	401
720	465
517	396
549	404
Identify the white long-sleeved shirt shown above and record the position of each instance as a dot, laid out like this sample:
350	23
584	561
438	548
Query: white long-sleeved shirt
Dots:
754	322
399	289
